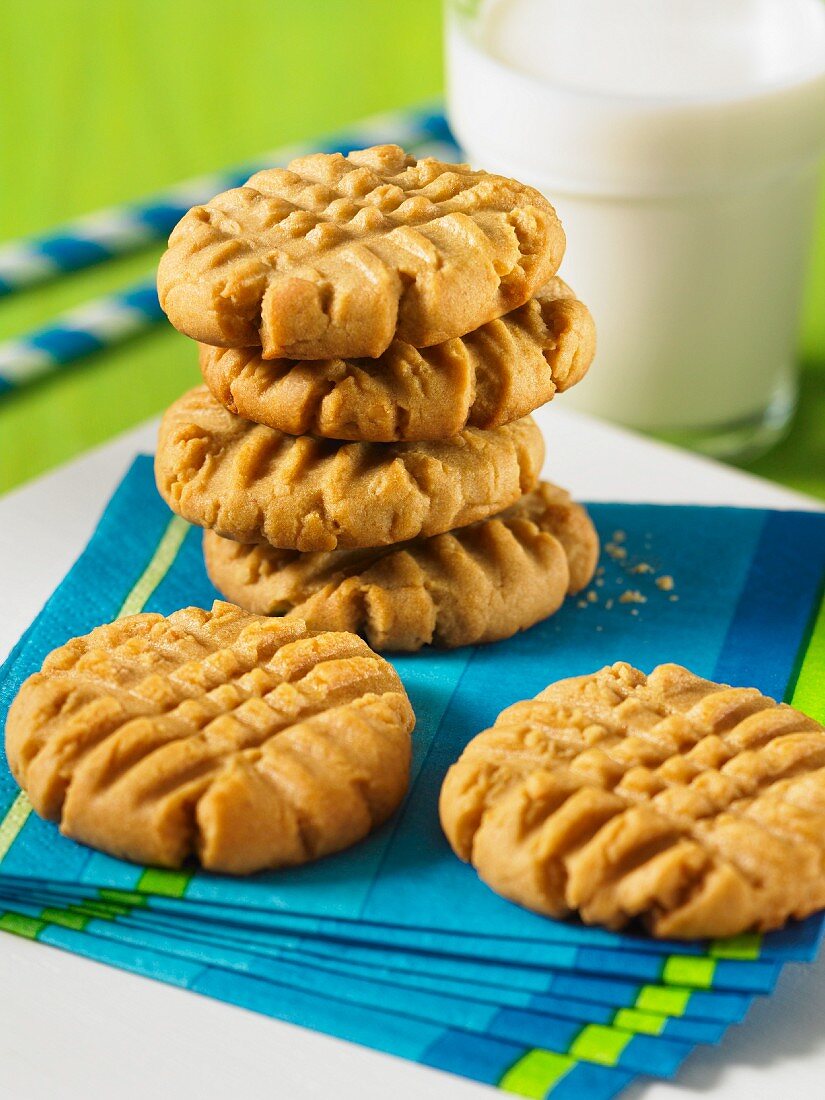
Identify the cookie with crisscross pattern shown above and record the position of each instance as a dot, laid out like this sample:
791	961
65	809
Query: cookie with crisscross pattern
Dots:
476	584
499	373
255	484
334	256
694	807
246	742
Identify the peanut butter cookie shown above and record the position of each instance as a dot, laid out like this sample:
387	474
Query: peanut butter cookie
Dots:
335	256
255	484
477	584
499	373
247	742
695	807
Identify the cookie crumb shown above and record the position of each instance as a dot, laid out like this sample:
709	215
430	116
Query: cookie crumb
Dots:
619	536
632	595
608	605
592	597
642	567
600	582
665	582
581	603
614	551
634	611
673	599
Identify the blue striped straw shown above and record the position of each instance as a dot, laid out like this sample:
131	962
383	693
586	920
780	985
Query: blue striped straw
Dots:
101	323
120	230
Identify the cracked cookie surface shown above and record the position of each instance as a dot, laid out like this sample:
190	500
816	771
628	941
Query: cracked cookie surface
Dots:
478	584
335	256
693	807
248	743
499	373
255	484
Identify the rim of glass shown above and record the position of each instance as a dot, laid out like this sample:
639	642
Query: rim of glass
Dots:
467	12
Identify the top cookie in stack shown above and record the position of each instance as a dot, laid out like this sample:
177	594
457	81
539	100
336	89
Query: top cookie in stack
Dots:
408	313
336	256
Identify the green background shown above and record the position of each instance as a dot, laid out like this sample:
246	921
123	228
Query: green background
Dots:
107	100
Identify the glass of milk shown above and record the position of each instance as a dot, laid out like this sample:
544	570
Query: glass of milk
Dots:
681	142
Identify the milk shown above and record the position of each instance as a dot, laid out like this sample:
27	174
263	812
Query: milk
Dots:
658	47
680	141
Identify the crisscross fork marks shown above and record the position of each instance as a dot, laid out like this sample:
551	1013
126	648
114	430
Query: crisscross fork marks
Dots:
248	741
332	255
493	376
476	584
667	798
145	666
259	485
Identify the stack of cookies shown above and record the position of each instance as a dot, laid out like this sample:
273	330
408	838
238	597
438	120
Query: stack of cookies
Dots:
374	332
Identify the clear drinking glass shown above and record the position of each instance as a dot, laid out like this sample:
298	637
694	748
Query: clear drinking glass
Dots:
681	143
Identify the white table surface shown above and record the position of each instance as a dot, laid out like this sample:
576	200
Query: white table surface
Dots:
70	1028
